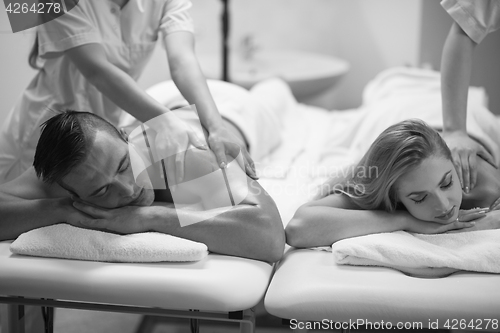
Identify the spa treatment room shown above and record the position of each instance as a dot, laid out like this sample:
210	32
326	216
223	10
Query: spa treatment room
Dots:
266	166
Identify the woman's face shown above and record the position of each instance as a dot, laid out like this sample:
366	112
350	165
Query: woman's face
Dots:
431	192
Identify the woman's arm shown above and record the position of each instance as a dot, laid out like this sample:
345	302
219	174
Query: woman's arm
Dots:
327	220
330	219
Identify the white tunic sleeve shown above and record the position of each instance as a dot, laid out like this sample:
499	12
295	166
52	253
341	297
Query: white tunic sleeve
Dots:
476	17
74	28
175	17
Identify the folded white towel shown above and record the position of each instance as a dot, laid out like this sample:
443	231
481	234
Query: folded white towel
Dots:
66	241
413	253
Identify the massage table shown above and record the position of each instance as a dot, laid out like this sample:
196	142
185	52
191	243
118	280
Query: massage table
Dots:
309	286
219	288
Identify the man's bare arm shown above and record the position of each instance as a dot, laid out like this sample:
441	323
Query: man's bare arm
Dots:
251	229
26	203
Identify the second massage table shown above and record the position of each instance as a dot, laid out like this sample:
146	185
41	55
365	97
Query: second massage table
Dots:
309	286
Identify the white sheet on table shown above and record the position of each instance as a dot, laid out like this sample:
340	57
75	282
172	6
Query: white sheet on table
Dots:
402	93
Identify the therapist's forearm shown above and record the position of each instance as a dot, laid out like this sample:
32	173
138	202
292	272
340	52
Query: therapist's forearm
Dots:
456	67
19	216
122	90
191	82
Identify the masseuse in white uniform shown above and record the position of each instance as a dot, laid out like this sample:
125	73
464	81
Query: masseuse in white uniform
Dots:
89	60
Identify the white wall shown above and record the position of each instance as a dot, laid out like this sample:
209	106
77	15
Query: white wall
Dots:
15	74
371	35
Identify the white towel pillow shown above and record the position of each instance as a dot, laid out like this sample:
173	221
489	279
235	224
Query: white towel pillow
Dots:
66	241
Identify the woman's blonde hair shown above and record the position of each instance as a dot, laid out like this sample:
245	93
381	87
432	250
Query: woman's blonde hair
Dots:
398	150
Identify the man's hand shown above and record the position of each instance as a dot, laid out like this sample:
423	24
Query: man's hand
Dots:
464	152
72	215
124	220
222	142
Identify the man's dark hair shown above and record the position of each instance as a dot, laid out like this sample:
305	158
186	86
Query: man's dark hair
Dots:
65	141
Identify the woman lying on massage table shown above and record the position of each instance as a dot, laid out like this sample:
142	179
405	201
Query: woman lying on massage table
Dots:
405	181
83	175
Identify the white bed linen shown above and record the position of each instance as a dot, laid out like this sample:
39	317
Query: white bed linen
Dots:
288	173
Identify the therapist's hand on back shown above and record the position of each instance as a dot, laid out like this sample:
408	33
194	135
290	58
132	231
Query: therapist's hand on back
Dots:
174	139
464	152
222	142
490	221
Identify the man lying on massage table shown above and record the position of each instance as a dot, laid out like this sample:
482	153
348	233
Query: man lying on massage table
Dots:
82	175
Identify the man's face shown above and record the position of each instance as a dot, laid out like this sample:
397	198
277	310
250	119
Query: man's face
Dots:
105	177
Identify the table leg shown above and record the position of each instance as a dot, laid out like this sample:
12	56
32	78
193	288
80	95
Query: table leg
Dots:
248	323
15	318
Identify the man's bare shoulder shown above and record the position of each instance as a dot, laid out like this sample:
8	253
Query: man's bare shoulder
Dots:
201	163
28	186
